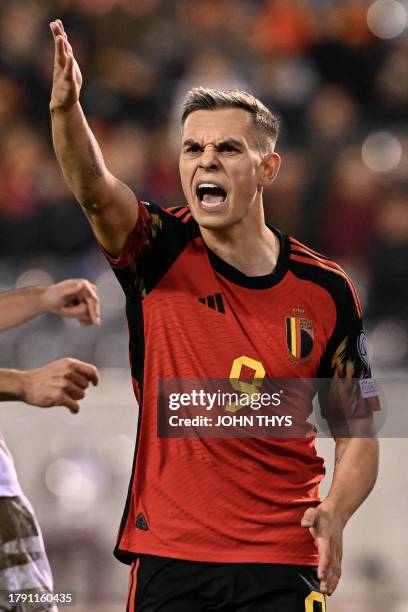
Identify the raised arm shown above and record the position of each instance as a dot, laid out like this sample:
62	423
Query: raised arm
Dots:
110	205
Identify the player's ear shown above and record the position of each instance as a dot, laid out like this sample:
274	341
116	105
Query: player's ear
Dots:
270	168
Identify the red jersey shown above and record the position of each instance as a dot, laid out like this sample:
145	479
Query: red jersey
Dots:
191	315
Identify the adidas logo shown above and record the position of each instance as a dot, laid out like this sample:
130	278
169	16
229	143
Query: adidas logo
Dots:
214	302
141	523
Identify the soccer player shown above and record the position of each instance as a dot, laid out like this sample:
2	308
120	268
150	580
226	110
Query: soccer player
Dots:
23	562
213	292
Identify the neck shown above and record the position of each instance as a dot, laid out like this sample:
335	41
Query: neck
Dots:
249	245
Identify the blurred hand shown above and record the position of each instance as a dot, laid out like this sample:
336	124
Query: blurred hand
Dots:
67	78
327	530
74	298
60	383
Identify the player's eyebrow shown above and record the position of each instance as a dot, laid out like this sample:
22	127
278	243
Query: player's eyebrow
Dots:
222	143
229	142
190	142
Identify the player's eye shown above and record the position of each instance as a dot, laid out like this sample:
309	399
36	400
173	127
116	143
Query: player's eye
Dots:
193	148
227	148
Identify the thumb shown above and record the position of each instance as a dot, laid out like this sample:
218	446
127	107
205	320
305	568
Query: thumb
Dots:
309	518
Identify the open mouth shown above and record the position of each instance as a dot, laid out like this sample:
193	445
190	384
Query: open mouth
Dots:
211	196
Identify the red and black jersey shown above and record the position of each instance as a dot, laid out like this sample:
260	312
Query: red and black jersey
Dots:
191	315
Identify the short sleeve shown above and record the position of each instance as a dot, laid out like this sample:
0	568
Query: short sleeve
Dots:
156	240
346	387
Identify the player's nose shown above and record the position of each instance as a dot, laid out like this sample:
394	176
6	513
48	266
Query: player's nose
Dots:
209	158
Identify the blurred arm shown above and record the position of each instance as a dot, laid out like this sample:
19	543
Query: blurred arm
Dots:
60	383
11	385
21	305
73	298
110	205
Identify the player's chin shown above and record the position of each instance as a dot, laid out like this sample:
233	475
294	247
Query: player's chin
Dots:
211	216
213	222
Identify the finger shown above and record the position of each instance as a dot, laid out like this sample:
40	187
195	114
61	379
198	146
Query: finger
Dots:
79	380
62	30
309	518
93	310
87	312
61	25
90	291
75	288
324	588
60	55
74	311
328	585
328	588
69	403
74	391
326	581
87	370
69	68
334	574
55	29
325	558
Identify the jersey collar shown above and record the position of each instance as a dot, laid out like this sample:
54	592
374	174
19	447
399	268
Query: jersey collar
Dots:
254	282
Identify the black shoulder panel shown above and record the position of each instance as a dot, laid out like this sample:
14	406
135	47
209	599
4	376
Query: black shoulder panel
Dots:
175	230
329	279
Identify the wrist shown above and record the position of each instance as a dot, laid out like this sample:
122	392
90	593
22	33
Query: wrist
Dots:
335	510
43	299
56	108
16	387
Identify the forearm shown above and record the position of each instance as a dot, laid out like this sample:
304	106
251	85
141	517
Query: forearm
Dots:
80	157
354	476
21	305
108	203
11	385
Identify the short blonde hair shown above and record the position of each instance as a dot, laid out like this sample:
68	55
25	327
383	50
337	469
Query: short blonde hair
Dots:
266	124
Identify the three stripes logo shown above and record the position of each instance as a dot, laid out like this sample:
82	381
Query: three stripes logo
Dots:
214	302
299	336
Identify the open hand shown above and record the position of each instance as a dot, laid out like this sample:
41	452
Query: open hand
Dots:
67	79
327	530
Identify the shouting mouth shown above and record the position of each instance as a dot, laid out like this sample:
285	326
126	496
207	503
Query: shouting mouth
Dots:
211	197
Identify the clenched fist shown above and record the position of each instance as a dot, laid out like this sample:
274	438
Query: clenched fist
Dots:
61	383
74	298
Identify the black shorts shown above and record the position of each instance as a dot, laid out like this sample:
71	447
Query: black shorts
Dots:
161	584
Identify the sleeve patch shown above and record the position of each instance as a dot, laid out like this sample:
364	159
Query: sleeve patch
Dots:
368	387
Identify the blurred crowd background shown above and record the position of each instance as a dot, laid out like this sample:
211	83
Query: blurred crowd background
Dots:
335	71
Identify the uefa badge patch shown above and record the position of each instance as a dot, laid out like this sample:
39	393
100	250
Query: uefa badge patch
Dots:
362	348
299	337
